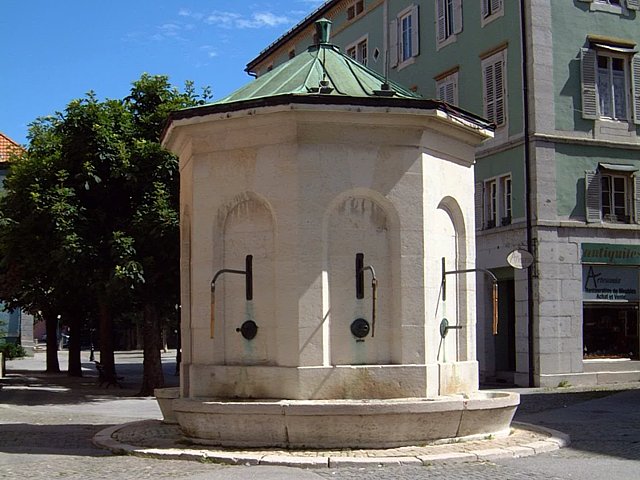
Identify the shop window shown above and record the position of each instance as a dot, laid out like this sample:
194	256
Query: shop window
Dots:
611	82
610	331
404	38
611	192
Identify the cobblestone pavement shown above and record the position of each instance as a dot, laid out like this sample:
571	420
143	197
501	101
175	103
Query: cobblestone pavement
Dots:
47	423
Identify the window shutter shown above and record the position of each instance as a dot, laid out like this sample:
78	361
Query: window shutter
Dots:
415	32
485	7
442	92
479	205
633	4
448	95
593	196
393	43
496	5
499	86
457	16
441	31
589	92
635	86
636	197
489	92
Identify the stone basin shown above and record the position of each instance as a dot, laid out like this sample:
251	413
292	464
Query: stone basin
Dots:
165	398
345	423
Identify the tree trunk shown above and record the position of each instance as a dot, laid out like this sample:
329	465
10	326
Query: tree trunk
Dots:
106	340
153	376
75	364
51	324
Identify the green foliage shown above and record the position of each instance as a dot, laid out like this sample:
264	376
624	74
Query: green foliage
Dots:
11	350
90	212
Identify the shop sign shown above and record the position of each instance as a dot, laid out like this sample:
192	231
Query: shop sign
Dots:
611	254
603	283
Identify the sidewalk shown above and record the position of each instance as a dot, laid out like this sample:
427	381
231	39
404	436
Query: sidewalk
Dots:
139	430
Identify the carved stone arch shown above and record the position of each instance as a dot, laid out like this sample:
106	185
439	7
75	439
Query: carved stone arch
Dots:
360	221
246	226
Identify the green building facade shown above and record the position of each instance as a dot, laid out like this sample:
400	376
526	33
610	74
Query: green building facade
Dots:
561	82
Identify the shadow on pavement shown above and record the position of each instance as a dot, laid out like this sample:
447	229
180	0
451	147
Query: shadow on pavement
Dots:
68	439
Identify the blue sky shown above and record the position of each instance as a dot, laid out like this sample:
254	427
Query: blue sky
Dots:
56	50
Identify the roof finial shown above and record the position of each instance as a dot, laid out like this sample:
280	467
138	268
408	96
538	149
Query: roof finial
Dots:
323	30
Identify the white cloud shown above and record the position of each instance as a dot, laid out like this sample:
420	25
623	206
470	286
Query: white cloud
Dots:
236	20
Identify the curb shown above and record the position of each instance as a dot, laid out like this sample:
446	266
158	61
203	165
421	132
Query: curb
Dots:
553	440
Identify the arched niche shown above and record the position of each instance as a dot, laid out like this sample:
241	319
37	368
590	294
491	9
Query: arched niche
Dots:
359	221
451	243
248	228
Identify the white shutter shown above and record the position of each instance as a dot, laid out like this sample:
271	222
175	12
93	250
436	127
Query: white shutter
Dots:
441	19
457	16
415	31
592	196
442	92
589	92
449	93
635	87
636	197
633	4
496	5
499	85
479	205
489	92
393	43
485	7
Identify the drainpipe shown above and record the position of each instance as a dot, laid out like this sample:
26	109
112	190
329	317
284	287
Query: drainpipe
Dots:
527	186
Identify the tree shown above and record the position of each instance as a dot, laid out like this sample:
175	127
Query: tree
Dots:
91	214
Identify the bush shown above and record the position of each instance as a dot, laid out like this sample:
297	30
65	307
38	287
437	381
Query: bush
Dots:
11	351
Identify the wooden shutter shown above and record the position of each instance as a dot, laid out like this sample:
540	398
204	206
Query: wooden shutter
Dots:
457	16
415	31
636	197
442	25
589	92
496	5
442	91
635	87
633	4
393	43
489	92
479	205
592	196
485	8
499	84
449	93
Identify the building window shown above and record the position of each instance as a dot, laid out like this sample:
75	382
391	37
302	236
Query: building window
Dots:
494	88
491	9
611	82
447	88
359	51
355	9
493	202
613	6
610	194
449	17
292	54
404	38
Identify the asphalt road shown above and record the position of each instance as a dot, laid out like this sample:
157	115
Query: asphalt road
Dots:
47	422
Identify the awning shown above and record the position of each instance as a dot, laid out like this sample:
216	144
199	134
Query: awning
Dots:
616	167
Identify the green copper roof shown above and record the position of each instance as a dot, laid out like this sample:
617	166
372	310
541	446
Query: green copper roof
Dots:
321	70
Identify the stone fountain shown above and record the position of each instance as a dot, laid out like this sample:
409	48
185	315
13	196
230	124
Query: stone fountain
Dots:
322	207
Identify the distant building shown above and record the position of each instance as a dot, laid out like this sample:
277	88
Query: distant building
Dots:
561	178
15	326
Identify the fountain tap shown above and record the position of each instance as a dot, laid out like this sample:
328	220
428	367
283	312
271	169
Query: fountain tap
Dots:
247	272
360	269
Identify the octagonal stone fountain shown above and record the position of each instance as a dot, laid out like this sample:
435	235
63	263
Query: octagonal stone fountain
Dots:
322	207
